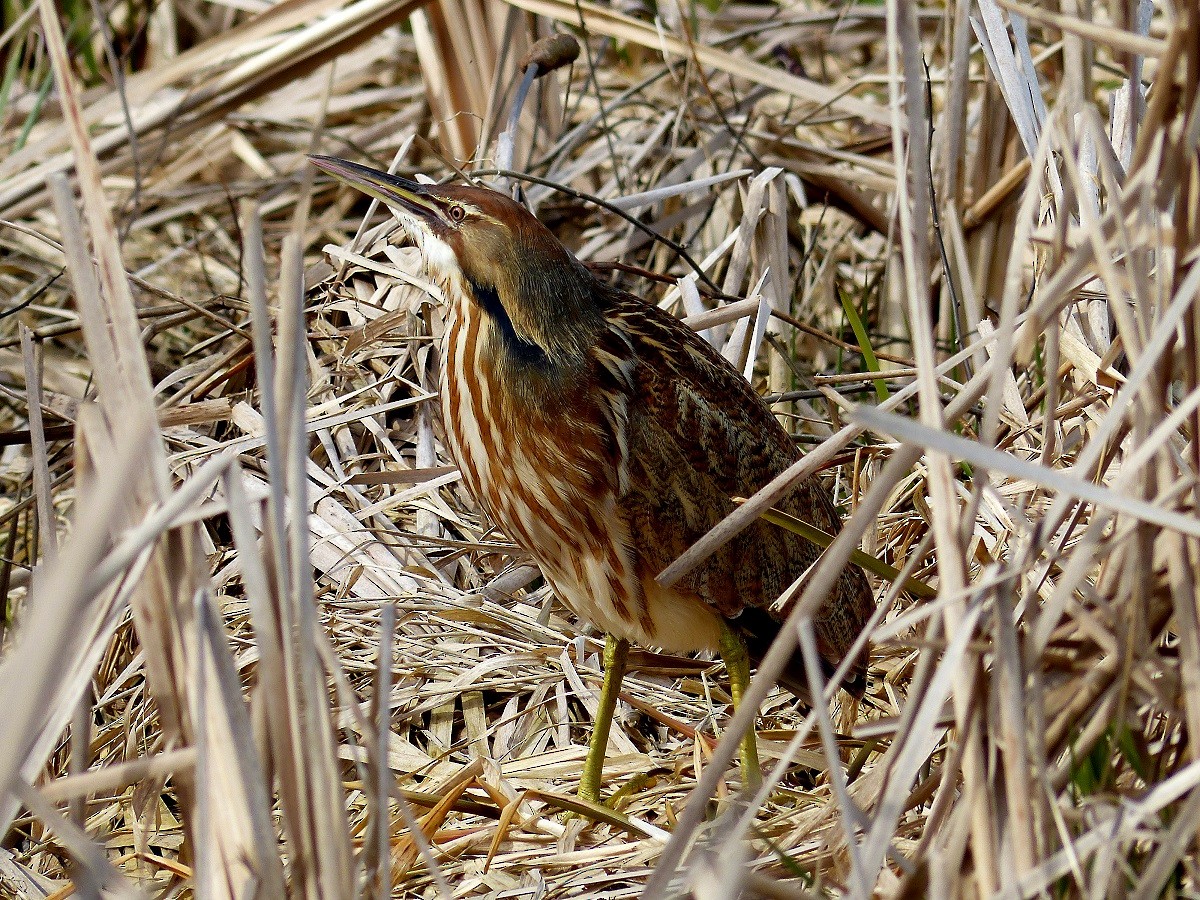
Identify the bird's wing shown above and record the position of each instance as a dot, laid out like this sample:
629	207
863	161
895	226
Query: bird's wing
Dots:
698	436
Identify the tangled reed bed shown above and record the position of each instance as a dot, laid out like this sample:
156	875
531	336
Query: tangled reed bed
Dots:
955	246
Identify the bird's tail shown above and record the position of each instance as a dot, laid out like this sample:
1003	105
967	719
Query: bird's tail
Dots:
758	629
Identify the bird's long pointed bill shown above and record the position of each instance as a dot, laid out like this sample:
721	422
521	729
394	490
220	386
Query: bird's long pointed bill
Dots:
390	189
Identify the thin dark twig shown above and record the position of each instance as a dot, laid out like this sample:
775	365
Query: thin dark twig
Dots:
133	203
37	291
936	217
845	345
592	79
24	436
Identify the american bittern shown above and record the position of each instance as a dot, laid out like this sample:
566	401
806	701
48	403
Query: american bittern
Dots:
605	437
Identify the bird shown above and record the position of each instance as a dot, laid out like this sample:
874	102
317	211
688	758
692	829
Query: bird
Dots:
605	437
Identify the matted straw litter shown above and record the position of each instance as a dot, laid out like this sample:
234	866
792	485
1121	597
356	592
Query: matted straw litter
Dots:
225	513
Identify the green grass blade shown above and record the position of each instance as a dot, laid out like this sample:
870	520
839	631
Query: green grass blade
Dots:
871	563
864	344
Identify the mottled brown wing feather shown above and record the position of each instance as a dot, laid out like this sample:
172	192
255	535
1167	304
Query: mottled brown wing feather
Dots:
698	435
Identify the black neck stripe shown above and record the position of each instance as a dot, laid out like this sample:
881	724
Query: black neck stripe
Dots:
519	347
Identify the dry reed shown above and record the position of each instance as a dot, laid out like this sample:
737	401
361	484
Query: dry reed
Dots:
275	649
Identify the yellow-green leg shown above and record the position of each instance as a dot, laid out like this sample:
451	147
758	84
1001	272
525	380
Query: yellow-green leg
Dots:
737	664
616	652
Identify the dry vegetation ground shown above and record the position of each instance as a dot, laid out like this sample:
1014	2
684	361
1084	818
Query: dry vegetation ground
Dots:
964	247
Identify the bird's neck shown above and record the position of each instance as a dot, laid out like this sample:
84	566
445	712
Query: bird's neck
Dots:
521	348
541	316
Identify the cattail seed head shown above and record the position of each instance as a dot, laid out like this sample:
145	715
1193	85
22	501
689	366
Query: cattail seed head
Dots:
551	53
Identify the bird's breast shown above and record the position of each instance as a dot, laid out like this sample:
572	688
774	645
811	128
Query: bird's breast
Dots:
534	462
547	475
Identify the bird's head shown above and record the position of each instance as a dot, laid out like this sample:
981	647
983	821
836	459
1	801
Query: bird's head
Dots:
480	244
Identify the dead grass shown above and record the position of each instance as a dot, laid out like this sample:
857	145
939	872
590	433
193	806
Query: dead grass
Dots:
958	248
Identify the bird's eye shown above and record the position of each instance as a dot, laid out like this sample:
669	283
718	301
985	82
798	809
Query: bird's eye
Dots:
457	214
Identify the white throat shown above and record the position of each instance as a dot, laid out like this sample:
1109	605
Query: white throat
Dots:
439	258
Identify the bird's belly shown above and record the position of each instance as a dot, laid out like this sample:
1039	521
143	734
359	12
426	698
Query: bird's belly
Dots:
641	612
